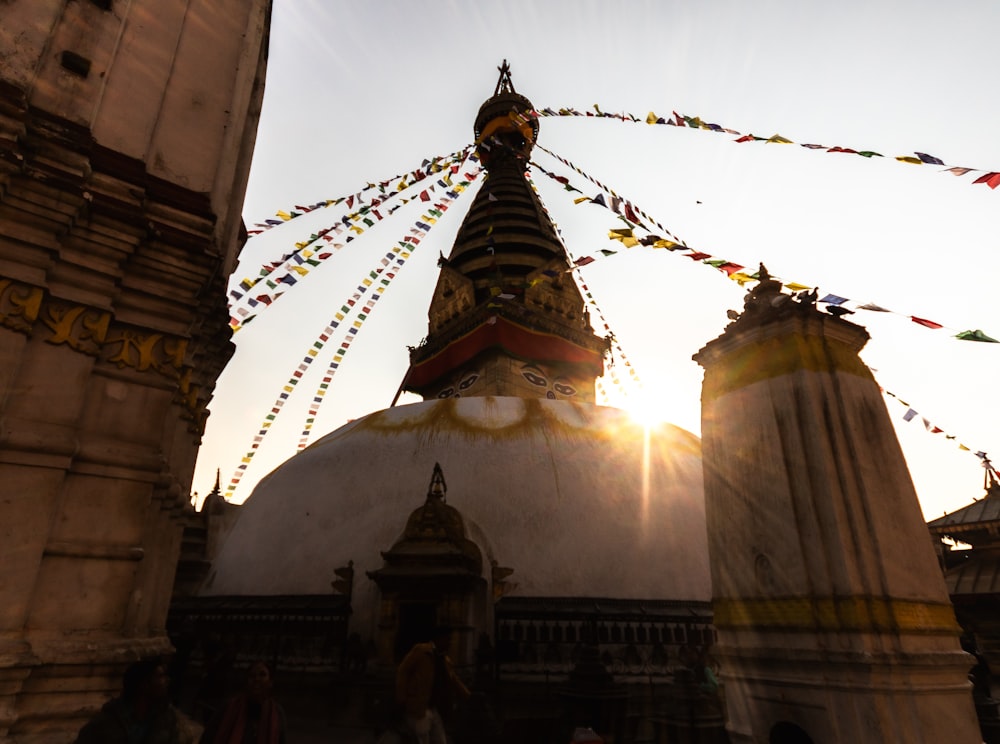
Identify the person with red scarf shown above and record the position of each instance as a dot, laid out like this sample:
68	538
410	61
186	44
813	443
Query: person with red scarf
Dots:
251	718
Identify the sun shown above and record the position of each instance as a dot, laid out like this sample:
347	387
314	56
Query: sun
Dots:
648	408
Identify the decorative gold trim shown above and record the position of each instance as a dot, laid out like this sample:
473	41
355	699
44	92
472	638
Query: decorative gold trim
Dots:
19	305
30	310
83	329
836	614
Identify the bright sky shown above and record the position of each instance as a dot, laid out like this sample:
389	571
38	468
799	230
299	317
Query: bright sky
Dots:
363	91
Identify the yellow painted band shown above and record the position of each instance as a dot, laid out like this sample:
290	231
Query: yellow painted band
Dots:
774	357
836	614
504	122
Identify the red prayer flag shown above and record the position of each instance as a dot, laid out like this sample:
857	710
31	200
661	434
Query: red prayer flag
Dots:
924	322
584	261
990	179
696	256
424	196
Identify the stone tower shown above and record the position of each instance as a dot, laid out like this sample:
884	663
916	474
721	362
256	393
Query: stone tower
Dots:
126	130
506	317
834	623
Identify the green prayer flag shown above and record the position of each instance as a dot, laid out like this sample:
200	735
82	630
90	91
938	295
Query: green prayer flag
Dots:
976	335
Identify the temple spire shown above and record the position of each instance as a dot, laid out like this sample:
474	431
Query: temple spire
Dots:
506	317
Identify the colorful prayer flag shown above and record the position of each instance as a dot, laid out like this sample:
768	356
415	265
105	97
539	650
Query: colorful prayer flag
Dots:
976	335
990	179
926	323
833	299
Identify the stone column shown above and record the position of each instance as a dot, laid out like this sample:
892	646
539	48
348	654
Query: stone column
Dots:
833	618
125	135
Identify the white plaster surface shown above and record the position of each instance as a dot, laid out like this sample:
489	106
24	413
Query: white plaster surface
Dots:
550	488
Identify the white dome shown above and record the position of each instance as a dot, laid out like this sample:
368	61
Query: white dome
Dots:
550	488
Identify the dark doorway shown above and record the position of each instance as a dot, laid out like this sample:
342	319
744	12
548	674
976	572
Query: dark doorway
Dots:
416	625
784	732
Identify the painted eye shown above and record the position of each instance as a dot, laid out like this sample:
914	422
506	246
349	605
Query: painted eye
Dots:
563	389
534	379
468	381
447	392
550	395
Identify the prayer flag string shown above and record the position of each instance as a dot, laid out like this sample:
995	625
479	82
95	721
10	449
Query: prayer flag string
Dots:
632	216
989	178
297	264
592	303
392	260
398	255
931	428
427	167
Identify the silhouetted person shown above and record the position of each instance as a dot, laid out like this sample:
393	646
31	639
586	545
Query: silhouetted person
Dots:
426	687
141	715
251	718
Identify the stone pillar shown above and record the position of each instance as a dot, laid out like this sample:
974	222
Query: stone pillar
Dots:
833	618
125	135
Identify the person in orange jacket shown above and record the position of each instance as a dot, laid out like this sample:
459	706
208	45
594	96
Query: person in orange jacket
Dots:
426	686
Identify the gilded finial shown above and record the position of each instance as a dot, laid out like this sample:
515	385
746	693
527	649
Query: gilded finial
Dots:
504	84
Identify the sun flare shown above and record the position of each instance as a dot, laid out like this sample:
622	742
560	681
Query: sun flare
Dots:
645	407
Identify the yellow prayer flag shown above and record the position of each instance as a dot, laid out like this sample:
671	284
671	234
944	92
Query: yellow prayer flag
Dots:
963	447
357	324
581	200
366	282
245	459
741	278
536	280
339	316
779	140
651	118
312	352
288	388
299	270
308	254
908	159
796	287
629	242
355	228
283	215
668	244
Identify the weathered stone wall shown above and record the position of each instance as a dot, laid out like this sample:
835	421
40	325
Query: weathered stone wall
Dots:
125	136
831	611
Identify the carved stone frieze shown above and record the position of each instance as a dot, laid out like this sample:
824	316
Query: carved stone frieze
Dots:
81	328
32	311
19	305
